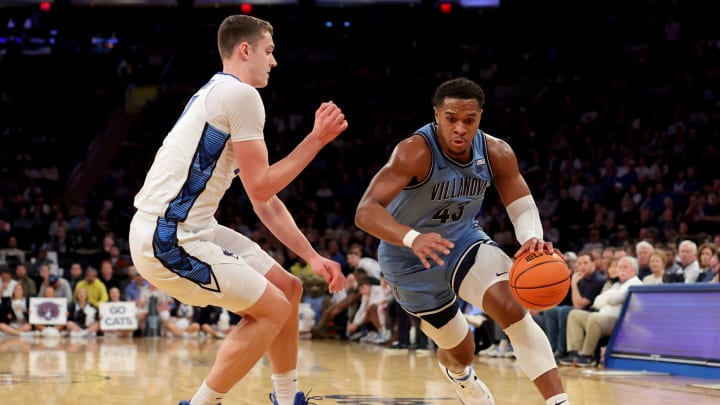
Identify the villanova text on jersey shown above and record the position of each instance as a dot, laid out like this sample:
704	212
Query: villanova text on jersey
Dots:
458	187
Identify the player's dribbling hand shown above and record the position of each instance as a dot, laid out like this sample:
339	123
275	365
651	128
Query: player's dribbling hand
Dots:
539	246
330	271
430	246
329	122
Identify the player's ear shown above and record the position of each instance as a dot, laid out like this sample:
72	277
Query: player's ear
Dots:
243	50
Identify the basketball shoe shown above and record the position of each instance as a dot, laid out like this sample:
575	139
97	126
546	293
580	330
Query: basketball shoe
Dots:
471	390
300	399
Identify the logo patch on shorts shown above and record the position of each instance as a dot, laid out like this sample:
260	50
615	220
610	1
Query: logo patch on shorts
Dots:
229	253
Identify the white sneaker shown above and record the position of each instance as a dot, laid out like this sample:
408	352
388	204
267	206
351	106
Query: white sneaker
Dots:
372	335
81	333
471	390
487	352
382	338
503	350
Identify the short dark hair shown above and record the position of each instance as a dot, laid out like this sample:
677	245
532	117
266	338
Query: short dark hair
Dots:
462	88
238	28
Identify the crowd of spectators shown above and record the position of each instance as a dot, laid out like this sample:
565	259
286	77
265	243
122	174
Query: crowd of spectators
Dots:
612	111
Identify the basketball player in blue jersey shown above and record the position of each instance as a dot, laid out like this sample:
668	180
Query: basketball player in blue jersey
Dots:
176	242
422	206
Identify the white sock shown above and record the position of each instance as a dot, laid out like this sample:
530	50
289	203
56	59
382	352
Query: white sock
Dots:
206	396
559	399
455	376
286	386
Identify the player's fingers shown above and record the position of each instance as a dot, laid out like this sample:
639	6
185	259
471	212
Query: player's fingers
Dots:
436	258
425	262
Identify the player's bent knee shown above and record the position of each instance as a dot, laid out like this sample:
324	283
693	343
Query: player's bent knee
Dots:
449	335
532	349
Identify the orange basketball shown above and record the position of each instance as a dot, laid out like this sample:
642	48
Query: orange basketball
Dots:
539	280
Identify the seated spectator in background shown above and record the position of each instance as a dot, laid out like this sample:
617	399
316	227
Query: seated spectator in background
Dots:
27	283
75	274
342	307
687	270
585	284
12	255
14	315
136	286
585	328
372	313
711	274
59	286
7	284
96	290
184	321
642	253
165	304
355	261
658	263
217	322
704	255
109	278
83	317
299	267
316	295
118	261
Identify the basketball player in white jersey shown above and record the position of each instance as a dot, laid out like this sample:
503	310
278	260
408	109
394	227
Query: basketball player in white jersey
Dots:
177	244
422	205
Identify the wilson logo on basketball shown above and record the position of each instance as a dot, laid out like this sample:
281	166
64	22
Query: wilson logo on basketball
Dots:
531	256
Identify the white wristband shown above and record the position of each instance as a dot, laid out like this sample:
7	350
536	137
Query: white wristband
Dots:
409	237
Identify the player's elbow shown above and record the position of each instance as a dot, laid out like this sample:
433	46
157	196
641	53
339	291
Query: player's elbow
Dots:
361	216
259	193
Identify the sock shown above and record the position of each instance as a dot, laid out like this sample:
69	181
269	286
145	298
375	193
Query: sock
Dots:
455	376
286	386
206	396
559	399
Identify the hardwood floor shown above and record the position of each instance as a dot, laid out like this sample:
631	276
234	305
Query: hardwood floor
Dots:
162	371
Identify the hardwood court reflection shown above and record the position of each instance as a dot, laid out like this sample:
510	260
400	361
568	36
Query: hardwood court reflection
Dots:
163	371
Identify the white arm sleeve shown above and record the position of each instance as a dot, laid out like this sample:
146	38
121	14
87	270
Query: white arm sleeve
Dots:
525	218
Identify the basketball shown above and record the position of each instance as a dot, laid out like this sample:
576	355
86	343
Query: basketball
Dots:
539	280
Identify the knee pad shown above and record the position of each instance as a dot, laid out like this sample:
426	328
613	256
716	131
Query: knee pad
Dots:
532	349
450	334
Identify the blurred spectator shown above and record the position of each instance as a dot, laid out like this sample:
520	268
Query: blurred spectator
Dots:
95	289
658	262
585	328
643	249
711	274
84	317
687	269
11	254
7	284
27	283
59	286
14	317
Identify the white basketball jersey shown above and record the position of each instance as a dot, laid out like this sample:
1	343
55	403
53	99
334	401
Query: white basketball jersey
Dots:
195	164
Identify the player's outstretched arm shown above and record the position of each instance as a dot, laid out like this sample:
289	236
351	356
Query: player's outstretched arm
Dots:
276	217
409	162
261	180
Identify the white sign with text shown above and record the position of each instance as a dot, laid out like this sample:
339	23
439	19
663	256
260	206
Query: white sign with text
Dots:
118	316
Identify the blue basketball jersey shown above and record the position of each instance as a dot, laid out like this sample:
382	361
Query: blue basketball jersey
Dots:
447	202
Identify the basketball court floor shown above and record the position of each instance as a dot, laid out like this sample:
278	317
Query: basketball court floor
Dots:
154	371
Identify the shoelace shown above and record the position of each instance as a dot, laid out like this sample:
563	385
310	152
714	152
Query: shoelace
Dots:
308	398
